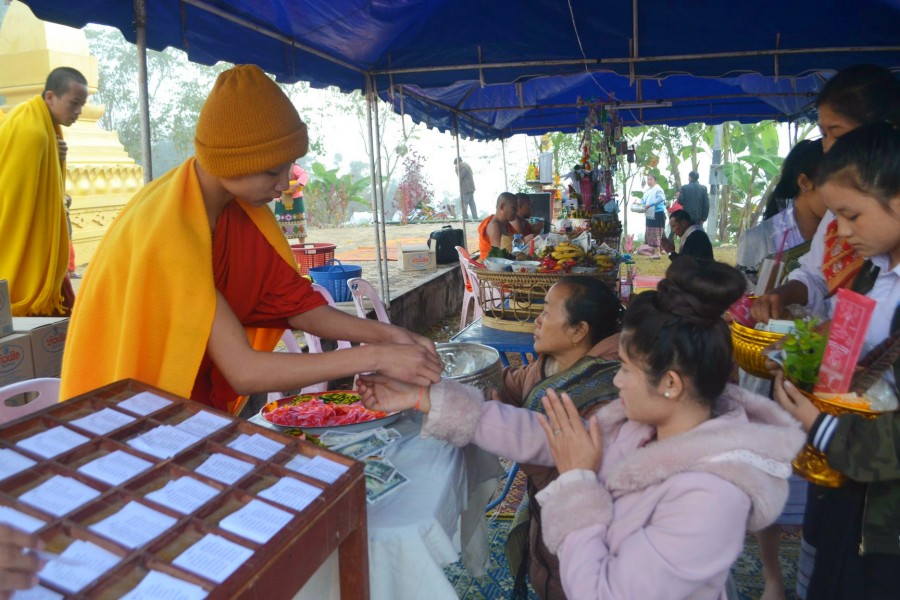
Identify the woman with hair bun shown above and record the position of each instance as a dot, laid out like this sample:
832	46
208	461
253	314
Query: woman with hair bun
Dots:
685	462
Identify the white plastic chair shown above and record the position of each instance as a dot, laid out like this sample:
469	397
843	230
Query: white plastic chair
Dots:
314	345
47	389
470	288
361	289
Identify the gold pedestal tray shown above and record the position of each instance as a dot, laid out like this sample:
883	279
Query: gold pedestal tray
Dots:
812	464
748	346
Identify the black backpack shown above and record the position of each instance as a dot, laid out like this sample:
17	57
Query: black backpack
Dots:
445	242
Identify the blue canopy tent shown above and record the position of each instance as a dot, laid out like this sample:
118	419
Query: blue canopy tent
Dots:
561	103
433	44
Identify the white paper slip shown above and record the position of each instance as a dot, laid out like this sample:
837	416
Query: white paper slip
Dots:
52	442
184	495
38	592
292	493
224	468
320	468
134	525
159	586
103	421
213	558
164	441
11	462
59	495
256	445
48	556
296	463
257	521
116	467
19	520
94	561
144	403
203	423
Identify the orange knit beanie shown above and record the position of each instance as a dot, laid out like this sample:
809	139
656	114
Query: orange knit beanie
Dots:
247	125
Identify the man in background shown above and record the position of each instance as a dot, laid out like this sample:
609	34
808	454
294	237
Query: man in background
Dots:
694	198
466	187
694	241
33	227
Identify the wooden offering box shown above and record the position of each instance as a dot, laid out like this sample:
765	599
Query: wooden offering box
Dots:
166	489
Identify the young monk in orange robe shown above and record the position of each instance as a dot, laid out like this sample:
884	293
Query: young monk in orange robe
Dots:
194	283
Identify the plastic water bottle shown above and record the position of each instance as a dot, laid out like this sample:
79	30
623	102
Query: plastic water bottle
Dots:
518	243
625	289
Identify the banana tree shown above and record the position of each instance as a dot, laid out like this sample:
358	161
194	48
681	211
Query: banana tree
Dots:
328	196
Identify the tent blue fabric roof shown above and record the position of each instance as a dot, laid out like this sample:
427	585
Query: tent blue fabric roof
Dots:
562	103
435	43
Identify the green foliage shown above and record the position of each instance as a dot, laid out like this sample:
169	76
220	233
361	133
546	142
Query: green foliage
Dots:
803	351
328	196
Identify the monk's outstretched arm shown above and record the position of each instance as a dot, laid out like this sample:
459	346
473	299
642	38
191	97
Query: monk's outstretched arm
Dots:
250	371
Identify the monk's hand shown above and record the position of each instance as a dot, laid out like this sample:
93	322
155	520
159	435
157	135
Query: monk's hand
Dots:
410	363
794	402
63	148
18	569
403	336
385	394
573	444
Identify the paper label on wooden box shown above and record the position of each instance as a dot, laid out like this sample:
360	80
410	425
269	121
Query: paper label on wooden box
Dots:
159	586
52	442
852	313
115	468
93	561
184	495
59	495
134	525
103	421
213	558
144	403
257	521
19	520
11	462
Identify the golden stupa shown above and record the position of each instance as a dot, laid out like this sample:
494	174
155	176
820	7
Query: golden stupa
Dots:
100	176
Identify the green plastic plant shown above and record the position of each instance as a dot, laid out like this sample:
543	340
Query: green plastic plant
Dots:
803	350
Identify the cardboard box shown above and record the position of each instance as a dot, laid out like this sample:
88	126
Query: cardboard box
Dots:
6	327
16	363
48	339
416	257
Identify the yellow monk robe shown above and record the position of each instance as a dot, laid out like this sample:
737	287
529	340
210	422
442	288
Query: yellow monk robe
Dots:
145	307
34	239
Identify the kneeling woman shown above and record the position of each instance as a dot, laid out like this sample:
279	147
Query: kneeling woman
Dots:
686	464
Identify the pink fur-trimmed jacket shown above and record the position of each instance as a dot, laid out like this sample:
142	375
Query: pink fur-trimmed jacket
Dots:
660	520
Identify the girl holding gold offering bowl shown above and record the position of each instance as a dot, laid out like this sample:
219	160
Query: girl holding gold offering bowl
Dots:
857	532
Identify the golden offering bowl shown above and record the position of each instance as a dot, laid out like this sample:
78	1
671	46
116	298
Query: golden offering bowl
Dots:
748	346
811	464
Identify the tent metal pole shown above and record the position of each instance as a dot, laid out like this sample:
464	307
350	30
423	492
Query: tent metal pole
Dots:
505	176
140	21
386	290
204	6
375	208
595	62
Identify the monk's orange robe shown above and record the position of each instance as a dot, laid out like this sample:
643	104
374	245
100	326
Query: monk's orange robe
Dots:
146	305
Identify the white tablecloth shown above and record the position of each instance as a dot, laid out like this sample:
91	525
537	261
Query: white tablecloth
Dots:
423	526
